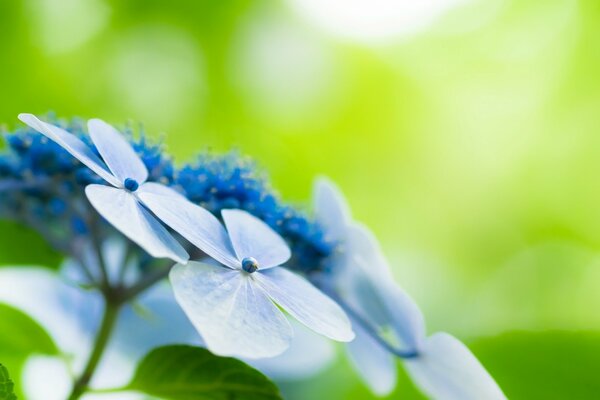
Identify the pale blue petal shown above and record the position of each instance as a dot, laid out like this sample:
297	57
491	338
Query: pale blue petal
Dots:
331	209
155	320
251	237
66	312
306	303
447	370
233	317
308	355
375	364
192	222
124	212
116	152
362	244
366	284
73	145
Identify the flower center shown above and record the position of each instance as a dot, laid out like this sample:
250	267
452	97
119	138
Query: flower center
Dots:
131	184
249	264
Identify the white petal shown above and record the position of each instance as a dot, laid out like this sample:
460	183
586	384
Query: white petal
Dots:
124	212
331	209
234	317
73	145
192	222
308	355
306	303
116	152
251	237
46	378
447	370
374	364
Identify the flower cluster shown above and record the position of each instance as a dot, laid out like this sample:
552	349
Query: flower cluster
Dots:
242	255
43	186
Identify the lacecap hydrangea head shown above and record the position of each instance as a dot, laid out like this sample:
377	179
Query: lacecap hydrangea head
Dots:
43	185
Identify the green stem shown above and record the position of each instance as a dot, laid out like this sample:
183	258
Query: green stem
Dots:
111	312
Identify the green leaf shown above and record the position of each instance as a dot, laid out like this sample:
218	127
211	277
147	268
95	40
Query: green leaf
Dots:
543	365
22	245
20	337
193	373
6	385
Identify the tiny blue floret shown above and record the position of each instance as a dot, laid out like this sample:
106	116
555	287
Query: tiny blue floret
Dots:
131	184
249	264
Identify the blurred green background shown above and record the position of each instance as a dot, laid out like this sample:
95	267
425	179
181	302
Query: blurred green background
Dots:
464	133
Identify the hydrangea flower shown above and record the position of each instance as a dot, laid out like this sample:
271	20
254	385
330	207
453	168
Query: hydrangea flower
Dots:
233	305
126	175
386	320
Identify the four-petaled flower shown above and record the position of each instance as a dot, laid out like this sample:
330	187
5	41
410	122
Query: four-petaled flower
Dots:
234	304
119	202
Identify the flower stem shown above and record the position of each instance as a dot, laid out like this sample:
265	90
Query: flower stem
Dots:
111	312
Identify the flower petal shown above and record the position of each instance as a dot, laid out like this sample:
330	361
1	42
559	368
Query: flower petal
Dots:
192	222
116	152
124	212
234	317
373	363
306	303
308	355
251	237
447	370
73	145
366	284
331	209
68	313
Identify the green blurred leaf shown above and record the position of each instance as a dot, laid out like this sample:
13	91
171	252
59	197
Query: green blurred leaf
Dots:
20	337
20	245
193	373
6	385
545	365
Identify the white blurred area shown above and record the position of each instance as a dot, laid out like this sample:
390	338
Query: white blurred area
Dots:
373	20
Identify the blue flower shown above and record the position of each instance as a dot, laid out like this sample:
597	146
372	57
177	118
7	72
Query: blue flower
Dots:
386	320
126	175
232	305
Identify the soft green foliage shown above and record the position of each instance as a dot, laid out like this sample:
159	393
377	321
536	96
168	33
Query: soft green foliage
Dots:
20	245
21	337
192	373
6	385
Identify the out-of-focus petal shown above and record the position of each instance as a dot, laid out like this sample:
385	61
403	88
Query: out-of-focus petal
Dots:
124	212
251	237
46	378
447	370
362	244
308	354
192	222
331	209
234	317
373	363
366	284
69	314
306	303
73	145
116	152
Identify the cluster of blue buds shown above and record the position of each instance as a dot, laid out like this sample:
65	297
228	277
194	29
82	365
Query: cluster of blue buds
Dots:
43	185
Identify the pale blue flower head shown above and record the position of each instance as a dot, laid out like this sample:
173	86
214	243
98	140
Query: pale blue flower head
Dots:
126	175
